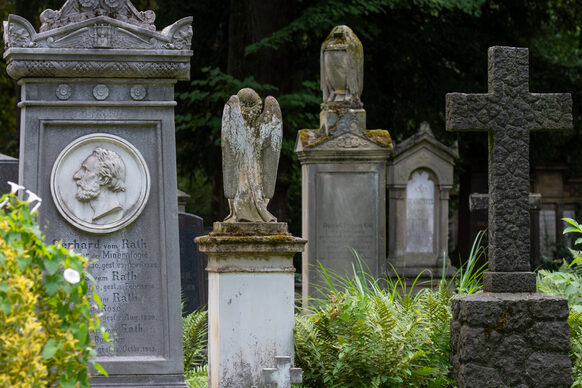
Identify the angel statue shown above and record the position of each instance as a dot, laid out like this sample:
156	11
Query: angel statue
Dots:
251	144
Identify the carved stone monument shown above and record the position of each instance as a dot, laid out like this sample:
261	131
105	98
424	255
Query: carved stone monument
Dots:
509	335
420	177
98	139
343	167
250	254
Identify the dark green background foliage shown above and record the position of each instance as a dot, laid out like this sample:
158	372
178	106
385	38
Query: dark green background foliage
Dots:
415	52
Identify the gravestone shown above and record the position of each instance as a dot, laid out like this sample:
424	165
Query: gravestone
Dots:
509	335
8	171
192	263
250	255
97	144
420	177
479	204
343	167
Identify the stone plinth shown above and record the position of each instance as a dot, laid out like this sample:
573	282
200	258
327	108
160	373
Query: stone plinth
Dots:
420	177
344	201
251	300
510	340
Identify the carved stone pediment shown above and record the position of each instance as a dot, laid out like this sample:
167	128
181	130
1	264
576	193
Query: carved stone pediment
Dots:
98	32
74	11
97	38
348	141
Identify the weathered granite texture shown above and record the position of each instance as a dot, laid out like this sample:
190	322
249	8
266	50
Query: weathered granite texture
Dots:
510	340
251	300
509	337
508	113
251	144
343	168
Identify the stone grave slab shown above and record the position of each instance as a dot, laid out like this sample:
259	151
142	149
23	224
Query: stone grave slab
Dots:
98	146
343	167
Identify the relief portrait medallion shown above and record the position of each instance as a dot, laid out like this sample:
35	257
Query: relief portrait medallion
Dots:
100	183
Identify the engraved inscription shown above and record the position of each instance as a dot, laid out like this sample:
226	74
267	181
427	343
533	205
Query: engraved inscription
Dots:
347	218
128	283
420	213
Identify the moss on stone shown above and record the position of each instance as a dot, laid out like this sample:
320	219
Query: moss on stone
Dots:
379	136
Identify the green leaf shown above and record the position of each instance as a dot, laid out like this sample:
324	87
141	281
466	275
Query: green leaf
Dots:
97	300
49	349
100	369
5	305
51	285
51	266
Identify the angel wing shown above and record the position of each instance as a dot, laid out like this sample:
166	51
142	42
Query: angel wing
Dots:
355	81
270	125
232	135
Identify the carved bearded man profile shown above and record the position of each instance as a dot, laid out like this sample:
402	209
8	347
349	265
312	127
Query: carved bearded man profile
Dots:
99	181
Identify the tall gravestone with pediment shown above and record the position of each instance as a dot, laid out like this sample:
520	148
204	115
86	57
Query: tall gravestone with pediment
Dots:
509	336
97	144
343	168
420	177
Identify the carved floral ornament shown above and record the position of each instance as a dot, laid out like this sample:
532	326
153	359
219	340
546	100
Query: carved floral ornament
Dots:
97	24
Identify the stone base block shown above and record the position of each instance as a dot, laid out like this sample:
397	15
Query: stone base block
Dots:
140	381
509	282
510	340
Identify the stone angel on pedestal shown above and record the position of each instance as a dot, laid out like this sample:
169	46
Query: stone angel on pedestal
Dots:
251	144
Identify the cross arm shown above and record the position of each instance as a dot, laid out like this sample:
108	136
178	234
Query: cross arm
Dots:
468	112
551	111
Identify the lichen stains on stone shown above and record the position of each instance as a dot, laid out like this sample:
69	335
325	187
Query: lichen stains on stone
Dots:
312	137
379	136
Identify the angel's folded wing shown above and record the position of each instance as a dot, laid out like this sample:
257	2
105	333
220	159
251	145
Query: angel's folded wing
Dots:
271	134
231	137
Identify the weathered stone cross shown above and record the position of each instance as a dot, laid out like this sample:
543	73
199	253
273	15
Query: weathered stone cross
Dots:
283	375
508	113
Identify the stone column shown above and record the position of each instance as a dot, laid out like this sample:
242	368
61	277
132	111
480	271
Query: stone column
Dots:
251	300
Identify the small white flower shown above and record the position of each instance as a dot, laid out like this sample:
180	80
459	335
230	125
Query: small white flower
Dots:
72	276
33	197
15	187
4	202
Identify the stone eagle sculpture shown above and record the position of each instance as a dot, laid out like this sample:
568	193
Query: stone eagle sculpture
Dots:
251	144
342	68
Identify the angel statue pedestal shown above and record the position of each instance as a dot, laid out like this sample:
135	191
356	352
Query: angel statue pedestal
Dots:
250	254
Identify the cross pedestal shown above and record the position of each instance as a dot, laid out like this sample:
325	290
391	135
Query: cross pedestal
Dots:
283	375
251	300
508	335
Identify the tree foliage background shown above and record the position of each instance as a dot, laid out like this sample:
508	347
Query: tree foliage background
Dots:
415	52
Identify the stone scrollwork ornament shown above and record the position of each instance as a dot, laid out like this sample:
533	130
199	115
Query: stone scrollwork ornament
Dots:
79	10
251	144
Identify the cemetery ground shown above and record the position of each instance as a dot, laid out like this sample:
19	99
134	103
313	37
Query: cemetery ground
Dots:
369	333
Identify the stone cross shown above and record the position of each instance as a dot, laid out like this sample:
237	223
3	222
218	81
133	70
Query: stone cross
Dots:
508	112
283	375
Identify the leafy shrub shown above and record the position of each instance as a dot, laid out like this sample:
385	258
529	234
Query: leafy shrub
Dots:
45	313
194	340
367	336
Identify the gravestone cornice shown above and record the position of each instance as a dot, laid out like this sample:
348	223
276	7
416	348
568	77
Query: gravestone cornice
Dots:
98	47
